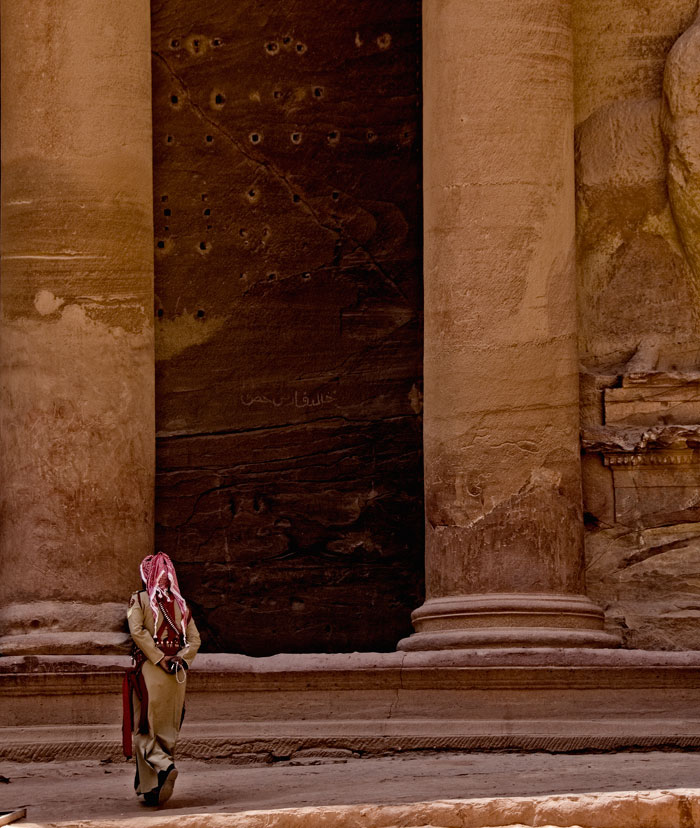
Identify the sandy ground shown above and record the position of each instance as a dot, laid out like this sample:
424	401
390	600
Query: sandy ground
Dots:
91	790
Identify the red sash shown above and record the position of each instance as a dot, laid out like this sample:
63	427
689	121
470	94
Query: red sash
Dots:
133	683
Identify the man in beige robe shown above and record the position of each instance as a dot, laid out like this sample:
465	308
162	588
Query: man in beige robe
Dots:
168	646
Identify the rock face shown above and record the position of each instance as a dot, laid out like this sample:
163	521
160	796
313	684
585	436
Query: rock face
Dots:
638	182
288	324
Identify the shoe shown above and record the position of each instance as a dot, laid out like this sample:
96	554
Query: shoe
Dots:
150	798
166	785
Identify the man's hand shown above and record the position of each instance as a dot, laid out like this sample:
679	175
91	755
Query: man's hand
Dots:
164	665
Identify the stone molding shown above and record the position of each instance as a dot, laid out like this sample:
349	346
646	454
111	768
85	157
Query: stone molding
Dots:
687	457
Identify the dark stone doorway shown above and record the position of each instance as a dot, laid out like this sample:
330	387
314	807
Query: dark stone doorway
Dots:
288	318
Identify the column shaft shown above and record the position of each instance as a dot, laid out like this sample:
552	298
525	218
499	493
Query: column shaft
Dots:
504	527
77	365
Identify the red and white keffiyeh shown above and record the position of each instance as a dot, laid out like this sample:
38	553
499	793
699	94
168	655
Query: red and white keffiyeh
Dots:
152	568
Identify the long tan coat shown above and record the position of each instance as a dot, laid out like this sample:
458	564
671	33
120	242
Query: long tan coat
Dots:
155	750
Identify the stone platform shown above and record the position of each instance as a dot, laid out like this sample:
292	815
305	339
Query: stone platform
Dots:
69	707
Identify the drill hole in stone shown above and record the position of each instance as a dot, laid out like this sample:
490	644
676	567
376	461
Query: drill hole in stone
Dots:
296	198
271	277
203	246
207	211
266	232
305	275
318	92
371	136
333	136
209	226
335	195
166	228
167	211
159	313
277	94
272	47
296	137
209	139
254	138
252	194
163	198
301	48
174	43
286	40
205	196
216	42
384	41
200	314
169	139
219	99
160	244
242	232
174	100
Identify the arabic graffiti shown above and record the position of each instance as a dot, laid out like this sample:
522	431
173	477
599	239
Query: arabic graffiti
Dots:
296	399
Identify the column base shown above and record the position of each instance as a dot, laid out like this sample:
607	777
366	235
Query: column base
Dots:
63	628
508	620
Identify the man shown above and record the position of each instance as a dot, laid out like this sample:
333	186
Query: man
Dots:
166	641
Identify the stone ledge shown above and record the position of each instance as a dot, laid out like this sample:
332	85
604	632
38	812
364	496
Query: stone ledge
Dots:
368	703
322	662
648	809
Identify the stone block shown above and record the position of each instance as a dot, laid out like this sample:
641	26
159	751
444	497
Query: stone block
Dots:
650	399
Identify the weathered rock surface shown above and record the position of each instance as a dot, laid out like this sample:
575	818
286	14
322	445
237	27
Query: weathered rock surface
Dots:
288	319
638	156
681	126
678	808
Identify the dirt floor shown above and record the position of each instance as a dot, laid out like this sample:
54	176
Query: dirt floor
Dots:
63	791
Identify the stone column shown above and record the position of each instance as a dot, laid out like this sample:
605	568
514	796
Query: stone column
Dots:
504	555
77	364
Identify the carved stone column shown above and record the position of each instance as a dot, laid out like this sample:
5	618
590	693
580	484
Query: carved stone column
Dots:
77	405
504	526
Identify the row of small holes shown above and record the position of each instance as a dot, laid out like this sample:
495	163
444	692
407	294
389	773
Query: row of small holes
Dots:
333	137
219	98
215	42
273	47
295	137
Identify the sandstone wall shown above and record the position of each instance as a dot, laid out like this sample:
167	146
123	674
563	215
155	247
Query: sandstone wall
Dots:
637	166
288	332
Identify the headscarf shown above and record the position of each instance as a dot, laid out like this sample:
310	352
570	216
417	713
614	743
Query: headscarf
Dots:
152	567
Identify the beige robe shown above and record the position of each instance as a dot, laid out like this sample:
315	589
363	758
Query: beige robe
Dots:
155	750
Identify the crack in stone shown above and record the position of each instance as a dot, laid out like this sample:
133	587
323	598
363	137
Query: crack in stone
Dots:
642	555
305	424
266	165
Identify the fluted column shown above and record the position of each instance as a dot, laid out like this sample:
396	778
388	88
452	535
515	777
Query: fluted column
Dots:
504	559
76	363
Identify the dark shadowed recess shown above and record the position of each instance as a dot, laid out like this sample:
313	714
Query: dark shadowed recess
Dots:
288	318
